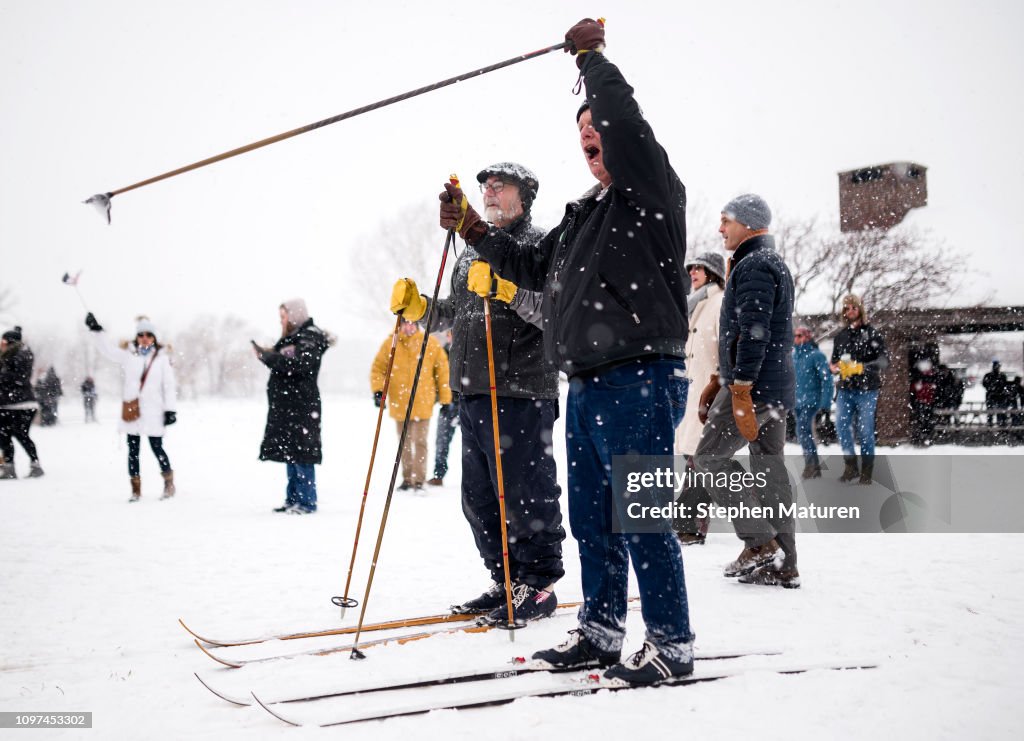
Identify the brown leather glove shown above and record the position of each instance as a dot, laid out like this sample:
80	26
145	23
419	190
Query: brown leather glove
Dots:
472	227
707	398
743	411
586	36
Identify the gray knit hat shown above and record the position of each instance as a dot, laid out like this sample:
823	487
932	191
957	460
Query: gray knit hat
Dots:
712	262
750	210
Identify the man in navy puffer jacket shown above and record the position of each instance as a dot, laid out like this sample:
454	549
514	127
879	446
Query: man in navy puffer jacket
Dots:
747	404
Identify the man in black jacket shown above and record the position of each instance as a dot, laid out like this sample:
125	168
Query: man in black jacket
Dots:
746	404
527	390
614	306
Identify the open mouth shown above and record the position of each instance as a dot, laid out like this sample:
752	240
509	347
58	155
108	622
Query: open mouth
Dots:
591	152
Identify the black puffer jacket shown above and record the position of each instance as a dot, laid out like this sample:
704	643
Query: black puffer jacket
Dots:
16	374
292	434
755	327
612	271
866	345
520	368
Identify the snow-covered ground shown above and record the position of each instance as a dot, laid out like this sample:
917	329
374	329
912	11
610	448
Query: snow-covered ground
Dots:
91	589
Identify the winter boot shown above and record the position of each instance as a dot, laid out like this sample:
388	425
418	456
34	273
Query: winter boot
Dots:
576	653
769	576
36	471
851	471
436	481
750	558
691	538
867	469
650	666
7	471
136	489
493	598
528	603
168	484
811	471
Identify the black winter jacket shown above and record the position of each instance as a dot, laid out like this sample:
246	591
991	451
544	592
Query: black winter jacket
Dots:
16	374
520	368
292	434
866	345
612	271
755	333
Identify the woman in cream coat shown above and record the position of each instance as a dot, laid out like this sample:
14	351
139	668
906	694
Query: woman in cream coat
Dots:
156	396
707	281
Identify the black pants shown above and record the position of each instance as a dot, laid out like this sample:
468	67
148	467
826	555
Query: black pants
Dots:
447	420
156	443
14	425
532	511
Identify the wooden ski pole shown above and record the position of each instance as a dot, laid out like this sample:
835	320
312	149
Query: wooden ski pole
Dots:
102	201
345	601
448	242
511	625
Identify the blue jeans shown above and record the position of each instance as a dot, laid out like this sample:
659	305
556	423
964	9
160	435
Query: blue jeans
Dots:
862	404
805	433
631	408
302	485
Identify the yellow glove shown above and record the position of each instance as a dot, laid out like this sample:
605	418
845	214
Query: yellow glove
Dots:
849	368
486	284
406	299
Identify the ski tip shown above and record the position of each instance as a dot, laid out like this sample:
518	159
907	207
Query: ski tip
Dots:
219	660
272	712
233	700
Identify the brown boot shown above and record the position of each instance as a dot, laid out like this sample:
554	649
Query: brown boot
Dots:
750	558
851	471
691	538
811	471
769	576
136	489
168	484
867	469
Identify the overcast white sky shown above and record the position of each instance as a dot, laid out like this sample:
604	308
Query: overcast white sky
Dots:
745	96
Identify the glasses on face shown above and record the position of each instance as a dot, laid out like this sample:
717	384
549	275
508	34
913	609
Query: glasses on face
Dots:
145	334
495	187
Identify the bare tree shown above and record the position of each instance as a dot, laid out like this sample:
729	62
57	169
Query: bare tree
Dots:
890	270
213	356
406	246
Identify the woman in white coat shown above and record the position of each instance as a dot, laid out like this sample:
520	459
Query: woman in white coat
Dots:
704	304
149	395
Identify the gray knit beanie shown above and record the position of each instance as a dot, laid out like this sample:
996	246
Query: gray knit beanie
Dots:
750	210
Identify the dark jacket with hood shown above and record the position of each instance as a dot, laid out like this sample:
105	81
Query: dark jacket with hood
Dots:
16	374
755	334
520	368
292	434
612	271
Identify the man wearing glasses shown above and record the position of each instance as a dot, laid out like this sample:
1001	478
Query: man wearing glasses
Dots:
527	390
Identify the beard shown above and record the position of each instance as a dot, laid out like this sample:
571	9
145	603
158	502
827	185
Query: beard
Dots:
499	217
